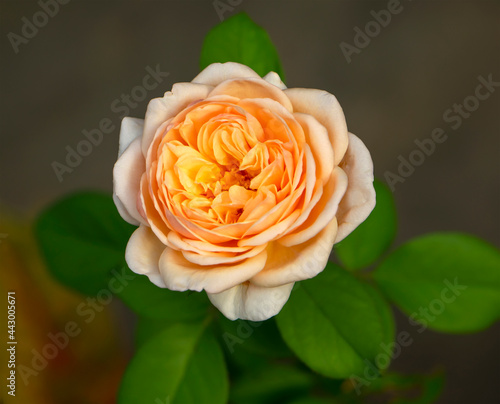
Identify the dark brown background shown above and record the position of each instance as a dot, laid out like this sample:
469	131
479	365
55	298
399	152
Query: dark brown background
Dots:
395	91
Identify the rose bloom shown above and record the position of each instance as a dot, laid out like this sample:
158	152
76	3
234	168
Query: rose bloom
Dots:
240	187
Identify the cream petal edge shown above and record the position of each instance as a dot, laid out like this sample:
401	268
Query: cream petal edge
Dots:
216	73
180	274
130	129
251	302
143	254
127	173
359	199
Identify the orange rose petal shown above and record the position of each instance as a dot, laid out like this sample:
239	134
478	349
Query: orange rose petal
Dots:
322	213
161	109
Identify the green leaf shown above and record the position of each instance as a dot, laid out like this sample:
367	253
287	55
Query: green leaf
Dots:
273	384
239	39
182	364
372	237
384	312
83	238
334	324
149	300
148	328
449	282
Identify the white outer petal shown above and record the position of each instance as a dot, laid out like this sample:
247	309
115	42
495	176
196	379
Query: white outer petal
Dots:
292	264
327	110
274	79
131	129
180	274
251	302
359	199
216	73
127	174
143	254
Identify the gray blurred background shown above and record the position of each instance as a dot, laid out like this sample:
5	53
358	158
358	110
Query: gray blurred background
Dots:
396	90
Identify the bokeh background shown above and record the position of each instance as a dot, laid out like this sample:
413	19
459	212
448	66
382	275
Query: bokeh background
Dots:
65	78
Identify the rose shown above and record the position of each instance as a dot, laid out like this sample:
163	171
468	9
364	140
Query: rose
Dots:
240	187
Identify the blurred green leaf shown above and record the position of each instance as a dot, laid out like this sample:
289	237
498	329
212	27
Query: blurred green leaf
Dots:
334	324
374	236
182	364
314	400
449	282
239	39
149	300
83	238
261	338
273	384
406	389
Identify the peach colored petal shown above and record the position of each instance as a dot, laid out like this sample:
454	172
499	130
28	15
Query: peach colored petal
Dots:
143	254
303	261
271	233
359	199
326	109
219	258
317	138
216	73
252	88
251	302
131	128
306	211
127	174
322	213
155	220
275	119
180	274
207	249
162	109
275	80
